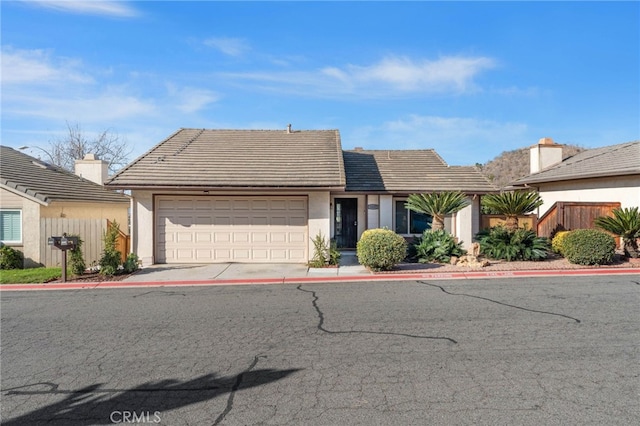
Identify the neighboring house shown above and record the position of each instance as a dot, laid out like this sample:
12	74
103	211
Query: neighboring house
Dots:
261	195
38	200
607	176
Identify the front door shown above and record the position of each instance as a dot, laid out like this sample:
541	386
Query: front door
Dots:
346	222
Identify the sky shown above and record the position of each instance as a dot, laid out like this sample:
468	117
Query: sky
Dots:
468	79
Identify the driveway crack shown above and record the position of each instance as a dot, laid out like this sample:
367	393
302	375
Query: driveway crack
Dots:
499	303
234	388
322	328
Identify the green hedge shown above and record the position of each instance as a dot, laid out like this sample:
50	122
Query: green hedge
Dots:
11	258
381	249
589	247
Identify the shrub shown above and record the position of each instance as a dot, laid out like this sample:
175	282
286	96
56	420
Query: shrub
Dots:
558	241
625	223
110	259
324	253
589	247
521	244
131	264
11	258
76	259
381	249
436	246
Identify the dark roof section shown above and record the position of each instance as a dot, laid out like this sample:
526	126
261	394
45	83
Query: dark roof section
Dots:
615	160
409	171
47	183
204	158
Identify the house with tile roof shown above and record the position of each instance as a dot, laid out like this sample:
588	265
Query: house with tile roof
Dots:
608	176
39	200
205	195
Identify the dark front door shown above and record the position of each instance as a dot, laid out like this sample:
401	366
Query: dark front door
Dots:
346	222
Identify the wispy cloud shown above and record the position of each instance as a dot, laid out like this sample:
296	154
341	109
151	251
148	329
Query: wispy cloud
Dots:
191	99
93	7
38	66
459	138
227	45
391	76
407	75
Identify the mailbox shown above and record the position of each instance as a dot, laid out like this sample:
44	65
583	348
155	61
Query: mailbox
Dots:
63	243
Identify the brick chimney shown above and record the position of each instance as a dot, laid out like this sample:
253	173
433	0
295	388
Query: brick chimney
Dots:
93	169
544	154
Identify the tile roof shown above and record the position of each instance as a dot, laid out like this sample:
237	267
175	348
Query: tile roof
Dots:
47	183
615	160
409	171
238	158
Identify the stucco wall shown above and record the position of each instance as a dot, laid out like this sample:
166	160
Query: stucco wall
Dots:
30	245
80	210
142	225
467	222
625	190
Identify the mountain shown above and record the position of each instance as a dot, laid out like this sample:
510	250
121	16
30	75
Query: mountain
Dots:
512	165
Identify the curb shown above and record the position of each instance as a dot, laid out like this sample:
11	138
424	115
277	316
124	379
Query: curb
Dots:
308	280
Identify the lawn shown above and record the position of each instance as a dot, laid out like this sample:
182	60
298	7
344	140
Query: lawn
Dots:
31	275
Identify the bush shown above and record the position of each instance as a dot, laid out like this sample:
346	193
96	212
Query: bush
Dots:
521	244
131	264
110	259
557	243
589	247
11	258
381	249
325	254
436	246
76	259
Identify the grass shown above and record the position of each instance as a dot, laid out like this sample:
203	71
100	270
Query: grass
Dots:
31	275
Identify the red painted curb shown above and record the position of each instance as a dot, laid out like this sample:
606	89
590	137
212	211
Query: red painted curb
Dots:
302	280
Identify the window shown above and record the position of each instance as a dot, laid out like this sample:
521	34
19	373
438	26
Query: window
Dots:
11	226
410	222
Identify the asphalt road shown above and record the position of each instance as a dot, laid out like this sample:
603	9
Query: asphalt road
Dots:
554	351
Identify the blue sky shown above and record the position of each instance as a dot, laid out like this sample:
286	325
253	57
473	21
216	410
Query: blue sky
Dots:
469	79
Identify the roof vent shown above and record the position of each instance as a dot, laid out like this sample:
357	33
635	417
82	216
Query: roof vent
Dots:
288	128
358	148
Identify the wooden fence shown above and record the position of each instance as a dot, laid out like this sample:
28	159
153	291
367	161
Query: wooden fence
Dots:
123	242
89	230
565	216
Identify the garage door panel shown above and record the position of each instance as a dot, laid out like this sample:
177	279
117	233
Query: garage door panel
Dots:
225	229
297	237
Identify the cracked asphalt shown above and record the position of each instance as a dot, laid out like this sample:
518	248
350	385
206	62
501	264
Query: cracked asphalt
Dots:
554	351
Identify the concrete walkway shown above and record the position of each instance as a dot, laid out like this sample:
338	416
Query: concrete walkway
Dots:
349	267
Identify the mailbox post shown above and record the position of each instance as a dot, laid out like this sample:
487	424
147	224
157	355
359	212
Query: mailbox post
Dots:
63	243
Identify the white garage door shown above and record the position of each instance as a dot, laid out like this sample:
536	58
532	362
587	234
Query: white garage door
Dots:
211	229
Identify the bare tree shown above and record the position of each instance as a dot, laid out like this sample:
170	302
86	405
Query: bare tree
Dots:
107	146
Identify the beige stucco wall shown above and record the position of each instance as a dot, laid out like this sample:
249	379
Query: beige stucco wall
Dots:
319	214
466	222
30	245
624	189
142	224
82	210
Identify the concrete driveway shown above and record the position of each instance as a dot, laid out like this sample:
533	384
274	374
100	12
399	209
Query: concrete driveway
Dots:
349	266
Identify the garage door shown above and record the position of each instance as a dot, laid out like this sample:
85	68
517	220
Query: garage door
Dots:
211	229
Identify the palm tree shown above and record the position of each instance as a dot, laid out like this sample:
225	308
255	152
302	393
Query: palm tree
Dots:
625	223
437	204
512	204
